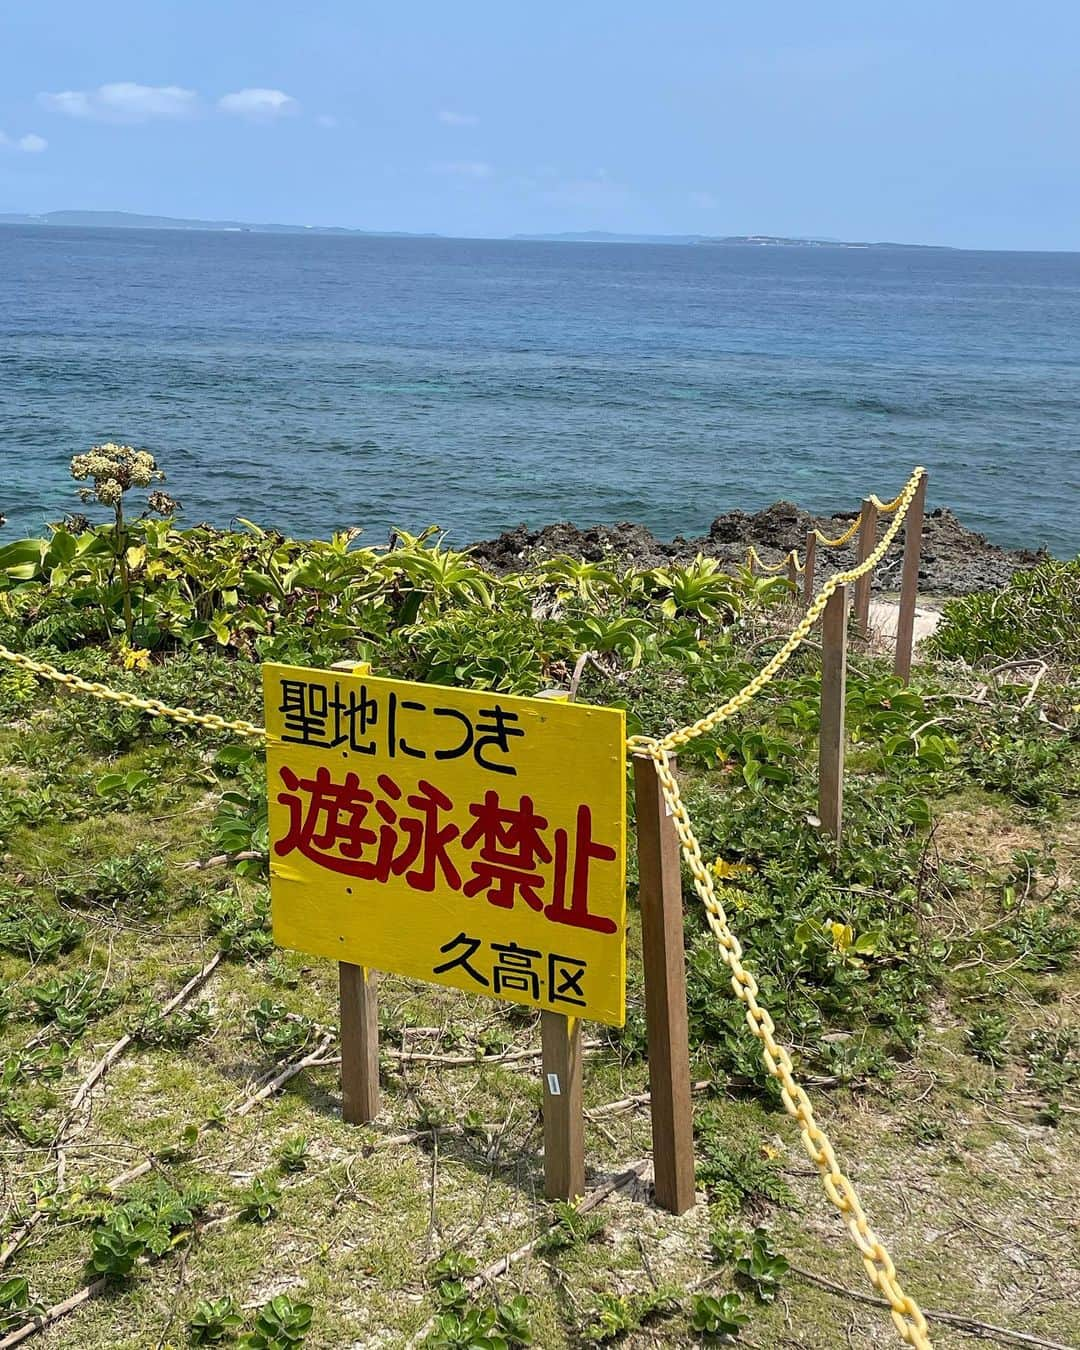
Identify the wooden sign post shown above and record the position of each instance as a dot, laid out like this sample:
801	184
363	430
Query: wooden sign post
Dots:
660	891
359	1017
866	546
909	585
359	1043
564	1115
809	565
831	743
461	837
561	1067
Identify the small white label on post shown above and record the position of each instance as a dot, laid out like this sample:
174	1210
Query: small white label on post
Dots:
667	808
553	1085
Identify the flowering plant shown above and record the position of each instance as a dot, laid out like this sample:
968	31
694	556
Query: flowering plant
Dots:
113	470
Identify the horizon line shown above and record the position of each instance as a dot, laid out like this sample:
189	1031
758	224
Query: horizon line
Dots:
760	239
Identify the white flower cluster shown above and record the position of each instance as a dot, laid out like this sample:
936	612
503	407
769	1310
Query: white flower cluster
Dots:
144	470
114	468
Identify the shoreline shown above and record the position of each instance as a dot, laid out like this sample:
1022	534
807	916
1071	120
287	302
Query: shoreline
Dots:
955	560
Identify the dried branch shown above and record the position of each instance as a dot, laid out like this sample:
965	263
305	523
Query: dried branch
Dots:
985	1330
220	859
54	1314
460	1061
290	1071
101	1067
638	1099
620	1181
117	1049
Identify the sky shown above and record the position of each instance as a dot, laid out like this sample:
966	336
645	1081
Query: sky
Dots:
942	123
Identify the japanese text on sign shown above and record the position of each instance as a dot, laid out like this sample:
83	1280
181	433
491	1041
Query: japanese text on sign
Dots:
467	838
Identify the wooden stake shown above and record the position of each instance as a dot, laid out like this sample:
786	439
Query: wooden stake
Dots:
561	1059
793	573
831	744
564	1118
359	1043
808	569
909	585
867	544
359	1015
663	956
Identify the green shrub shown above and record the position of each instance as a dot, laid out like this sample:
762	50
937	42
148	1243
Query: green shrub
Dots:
70	1002
280	1325
760	1268
116	1244
987	1034
16	1305
743	1174
570	1230
36	934
717	1316
131	883
1037	615
259	1203
243	932
214	1320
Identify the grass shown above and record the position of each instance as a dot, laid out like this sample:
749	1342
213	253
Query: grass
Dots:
941	1035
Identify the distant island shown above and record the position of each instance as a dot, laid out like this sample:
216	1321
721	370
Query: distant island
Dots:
129	220
782	241
608	237
727	240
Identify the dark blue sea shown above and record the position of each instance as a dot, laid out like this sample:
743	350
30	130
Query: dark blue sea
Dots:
315	381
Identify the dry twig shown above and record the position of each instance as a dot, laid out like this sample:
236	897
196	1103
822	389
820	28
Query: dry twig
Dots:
985	1330
117	1049
220	859
99	1070
619	1182
290	1071
459	1061
53	1314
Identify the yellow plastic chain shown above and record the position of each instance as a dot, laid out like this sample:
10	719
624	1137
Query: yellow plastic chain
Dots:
848	534
906	1313
885	508
753	559
151	705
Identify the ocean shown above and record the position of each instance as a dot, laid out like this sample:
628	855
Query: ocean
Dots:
312	382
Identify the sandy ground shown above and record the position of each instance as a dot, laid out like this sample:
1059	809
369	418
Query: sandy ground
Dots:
884	615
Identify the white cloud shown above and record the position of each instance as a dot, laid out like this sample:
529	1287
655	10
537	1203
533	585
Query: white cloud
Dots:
123	102
258	105
457	119
326	120
465	168
30	144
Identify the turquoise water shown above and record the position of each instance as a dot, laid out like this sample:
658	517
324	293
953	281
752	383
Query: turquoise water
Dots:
312	382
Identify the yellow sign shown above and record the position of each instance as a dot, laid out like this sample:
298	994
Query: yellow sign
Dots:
471	839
